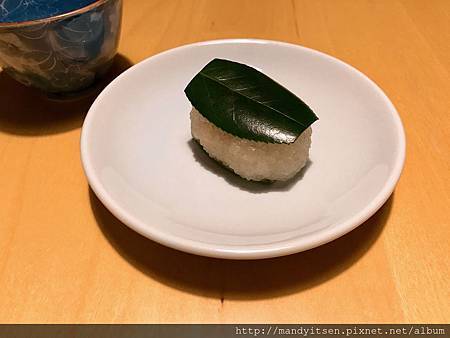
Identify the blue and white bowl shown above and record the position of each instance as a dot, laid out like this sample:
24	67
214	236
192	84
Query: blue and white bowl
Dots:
62	53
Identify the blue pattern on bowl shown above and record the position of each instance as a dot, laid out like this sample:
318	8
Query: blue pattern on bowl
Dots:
28	10
66	54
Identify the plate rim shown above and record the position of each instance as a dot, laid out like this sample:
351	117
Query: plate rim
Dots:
261	251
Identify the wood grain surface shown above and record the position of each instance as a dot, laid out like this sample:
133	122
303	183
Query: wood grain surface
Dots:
65	259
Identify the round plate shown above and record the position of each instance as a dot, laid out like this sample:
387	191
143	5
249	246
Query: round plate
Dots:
140	160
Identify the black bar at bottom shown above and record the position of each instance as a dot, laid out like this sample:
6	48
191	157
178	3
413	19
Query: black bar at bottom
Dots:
221	331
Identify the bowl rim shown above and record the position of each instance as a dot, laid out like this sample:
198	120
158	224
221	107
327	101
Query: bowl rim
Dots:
57	17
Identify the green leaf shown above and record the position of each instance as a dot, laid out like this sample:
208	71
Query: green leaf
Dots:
246	103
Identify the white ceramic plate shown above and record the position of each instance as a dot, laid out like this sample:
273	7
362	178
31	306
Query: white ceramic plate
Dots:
139	160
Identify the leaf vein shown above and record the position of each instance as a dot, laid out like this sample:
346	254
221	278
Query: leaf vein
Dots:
204	75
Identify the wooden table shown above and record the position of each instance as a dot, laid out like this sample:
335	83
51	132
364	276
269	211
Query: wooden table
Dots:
64	258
